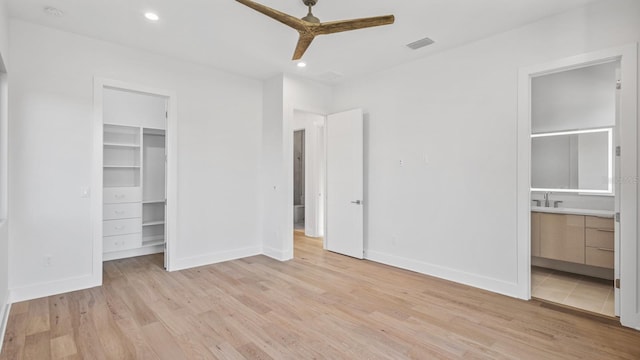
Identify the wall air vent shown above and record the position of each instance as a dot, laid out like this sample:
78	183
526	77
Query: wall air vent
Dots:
420	43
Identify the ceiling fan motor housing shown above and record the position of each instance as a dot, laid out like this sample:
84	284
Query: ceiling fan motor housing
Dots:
310	18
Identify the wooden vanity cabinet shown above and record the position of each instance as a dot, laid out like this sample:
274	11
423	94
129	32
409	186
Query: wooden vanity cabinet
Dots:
573	238
599	242
562	237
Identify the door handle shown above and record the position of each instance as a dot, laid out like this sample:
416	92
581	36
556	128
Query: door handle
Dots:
357	202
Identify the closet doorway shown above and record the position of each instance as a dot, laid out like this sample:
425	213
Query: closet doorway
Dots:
134	175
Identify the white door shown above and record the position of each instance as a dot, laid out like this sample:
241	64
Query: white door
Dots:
345	171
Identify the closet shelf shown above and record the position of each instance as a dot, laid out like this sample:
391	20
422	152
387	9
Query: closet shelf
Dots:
152	240
120	145
152	223
153	201
122	166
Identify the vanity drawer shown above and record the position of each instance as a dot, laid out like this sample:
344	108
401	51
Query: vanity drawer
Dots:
595	222
121	227
599	257
122	211
122	195
599	238
121	242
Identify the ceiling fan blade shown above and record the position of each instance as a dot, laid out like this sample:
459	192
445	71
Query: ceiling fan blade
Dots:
355	24
303	44
275	14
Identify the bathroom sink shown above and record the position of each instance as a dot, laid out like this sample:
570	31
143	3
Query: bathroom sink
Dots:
572	211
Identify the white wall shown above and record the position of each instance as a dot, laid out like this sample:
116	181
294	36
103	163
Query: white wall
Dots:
283	96
272	171
4	33
582	98
299	95
452	119
219	137
4	232
313	126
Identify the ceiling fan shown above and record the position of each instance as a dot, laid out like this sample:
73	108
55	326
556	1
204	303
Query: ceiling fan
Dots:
310	26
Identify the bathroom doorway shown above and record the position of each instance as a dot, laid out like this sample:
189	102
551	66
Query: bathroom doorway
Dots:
574	198
625	184
298	179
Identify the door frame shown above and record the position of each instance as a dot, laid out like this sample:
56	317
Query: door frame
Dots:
99	84
627	55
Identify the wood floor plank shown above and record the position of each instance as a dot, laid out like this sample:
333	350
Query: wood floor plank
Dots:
133	333
38	320
38	346
15	336
162	342
63	347
320	305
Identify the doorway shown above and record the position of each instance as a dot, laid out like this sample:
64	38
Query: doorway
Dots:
308	177
298	179
134	146
590	229
573	127
334	172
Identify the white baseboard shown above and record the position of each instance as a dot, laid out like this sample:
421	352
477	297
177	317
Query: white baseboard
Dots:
40	290
5	308
133	253
473	280
213	258
277	254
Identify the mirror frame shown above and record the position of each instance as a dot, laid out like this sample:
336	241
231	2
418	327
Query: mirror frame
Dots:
609	190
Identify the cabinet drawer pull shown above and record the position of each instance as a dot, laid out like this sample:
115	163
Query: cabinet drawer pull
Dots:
605	230
119	196
119	212
603	249
121	227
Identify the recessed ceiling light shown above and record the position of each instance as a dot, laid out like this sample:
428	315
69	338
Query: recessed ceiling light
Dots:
302	64
152	16
49	10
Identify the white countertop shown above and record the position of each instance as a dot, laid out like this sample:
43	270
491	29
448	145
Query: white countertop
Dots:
600	213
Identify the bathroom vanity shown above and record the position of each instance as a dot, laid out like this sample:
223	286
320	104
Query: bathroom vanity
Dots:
573	235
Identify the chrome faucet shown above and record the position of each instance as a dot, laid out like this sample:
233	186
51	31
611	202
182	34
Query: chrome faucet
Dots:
546	199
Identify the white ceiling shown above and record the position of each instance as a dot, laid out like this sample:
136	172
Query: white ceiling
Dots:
230	36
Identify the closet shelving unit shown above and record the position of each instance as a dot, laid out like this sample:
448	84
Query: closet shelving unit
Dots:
134	180
153	194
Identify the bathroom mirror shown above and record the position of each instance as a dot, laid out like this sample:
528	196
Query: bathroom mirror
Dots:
573	161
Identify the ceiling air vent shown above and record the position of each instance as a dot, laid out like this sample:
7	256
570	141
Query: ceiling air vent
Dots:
420	43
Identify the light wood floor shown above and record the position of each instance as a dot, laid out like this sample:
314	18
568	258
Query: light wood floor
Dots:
320	305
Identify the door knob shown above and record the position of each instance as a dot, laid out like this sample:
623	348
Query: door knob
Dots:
357	202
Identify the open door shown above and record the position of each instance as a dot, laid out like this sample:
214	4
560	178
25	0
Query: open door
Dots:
628	187
345	171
